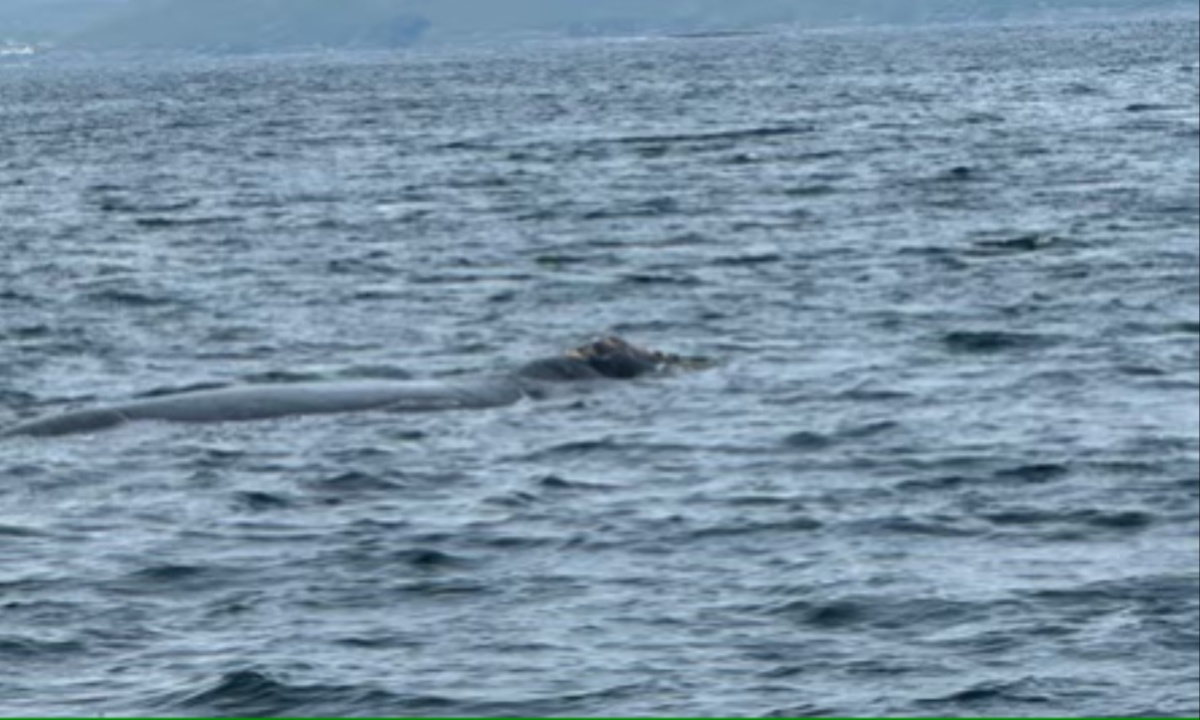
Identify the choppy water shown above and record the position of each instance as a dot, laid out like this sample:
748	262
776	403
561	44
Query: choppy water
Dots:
947	465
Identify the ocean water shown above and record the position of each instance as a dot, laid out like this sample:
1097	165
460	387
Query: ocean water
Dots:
946	464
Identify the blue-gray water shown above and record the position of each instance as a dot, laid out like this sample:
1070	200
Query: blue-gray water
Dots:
947	463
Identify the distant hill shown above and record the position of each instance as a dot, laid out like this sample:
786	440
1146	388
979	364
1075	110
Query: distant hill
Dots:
255	25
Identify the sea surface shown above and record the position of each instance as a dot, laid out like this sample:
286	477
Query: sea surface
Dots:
946	464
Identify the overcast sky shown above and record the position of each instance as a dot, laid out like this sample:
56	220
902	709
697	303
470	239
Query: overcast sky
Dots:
115	22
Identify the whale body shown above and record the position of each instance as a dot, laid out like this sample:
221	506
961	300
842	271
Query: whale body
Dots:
609	358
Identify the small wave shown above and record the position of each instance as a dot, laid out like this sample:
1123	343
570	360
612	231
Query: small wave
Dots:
828	616
742	159
28	332
1159	595
807	710
714	34
1020	244
1033	472
808	440
515	542
590	703
718	135
764	258
16	50
991	642
354	482
280	377
118	204
377	294
105	187
578	447
561	260
930	526
651	208
170	573
939	484
258	501
1127	520
993	694
982	118
512	499
993	341
24	472
20	650
430	559
174	578
157	222
744	527
1149	107
379	642
374	263
368	555
680	279
811	190
447	278
1132	520
958	173
557	483
19	531
250	693
870	391
1078	88
130	298
10	295
444	588
907	615
868	429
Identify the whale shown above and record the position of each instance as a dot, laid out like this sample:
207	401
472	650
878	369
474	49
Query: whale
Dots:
607	358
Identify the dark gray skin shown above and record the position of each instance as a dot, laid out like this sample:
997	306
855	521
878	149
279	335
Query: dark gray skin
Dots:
609	358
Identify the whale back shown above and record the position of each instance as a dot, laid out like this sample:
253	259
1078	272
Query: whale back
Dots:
607	357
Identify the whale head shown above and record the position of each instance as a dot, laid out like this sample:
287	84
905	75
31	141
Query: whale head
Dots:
614	357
